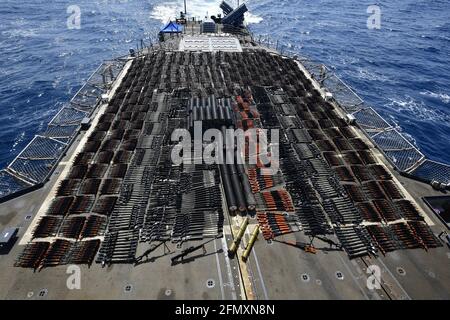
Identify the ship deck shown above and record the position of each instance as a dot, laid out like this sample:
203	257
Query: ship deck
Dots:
278	269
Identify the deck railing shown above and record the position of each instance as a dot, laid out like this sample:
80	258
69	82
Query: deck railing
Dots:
37	161
401	153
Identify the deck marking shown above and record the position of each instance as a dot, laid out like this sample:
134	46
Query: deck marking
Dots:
406	295
229	272
219	272
354	278
241	268
260	275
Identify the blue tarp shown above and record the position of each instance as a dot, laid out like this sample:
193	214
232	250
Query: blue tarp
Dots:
172	27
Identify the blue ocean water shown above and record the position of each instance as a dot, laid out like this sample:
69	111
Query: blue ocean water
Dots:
401	70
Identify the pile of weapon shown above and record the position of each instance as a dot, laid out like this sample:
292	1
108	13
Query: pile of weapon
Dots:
361	173
81	205
355	240
71	228
367	157
352	157
278	200
407	236
211	111
93	226
408	211
391	190
276	224
32	255
369	212
373	190
118	247
78	172
386	209
199	204
333	159
425	233
260	181
110	186
344	174
380	172
359	144
382	238
327	186
56	254
83	158
313	219
237	188
342	144
90	186
60	205
48	226
342	211
105	205
83	252
97	170
158	224
355	193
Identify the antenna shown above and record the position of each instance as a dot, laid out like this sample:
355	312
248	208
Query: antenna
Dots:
185	11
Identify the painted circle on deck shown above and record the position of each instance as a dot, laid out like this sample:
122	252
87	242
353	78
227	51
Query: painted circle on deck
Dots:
30	294
319	282
168	292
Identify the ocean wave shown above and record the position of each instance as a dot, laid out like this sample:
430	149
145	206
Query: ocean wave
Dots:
365	74
18	140
251	18
165	13
443	97
418	110
20	33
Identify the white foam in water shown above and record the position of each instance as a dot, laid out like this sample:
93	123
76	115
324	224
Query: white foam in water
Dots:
365	74
195	8
418	109
445	98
